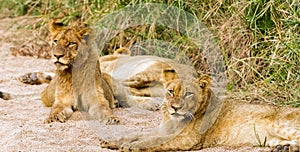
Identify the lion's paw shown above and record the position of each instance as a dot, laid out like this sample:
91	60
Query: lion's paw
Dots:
55	118
109	145
58	115
36	78
113	120
286	148
123	144
152	105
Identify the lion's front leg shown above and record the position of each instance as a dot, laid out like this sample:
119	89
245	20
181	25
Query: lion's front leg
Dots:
150	141
103	114
48	94
117	143
62	108
142	79
59	114
98	107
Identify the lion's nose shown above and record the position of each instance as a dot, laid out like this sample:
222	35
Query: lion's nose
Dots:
175	107
58	56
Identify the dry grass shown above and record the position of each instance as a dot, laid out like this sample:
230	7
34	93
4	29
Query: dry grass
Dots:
259	39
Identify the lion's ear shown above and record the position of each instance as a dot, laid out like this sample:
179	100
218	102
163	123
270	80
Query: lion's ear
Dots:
204	81
84	32
55	26
169	74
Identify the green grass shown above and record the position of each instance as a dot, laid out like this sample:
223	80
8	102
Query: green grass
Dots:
260	143
259	39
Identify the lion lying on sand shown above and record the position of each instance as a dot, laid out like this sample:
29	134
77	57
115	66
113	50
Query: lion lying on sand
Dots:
194	118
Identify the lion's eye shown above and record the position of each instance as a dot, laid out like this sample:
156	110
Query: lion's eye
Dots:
171	93
188	94
55	42
71	44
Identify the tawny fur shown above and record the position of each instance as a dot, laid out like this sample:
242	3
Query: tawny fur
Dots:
138	79
68	91
198	121
194	118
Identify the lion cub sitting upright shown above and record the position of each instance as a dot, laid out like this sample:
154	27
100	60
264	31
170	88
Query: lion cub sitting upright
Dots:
69	95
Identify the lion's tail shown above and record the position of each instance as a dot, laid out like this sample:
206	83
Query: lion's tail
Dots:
9	96
5	96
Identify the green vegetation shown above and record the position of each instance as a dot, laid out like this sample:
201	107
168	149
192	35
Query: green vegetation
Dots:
259	39
260	144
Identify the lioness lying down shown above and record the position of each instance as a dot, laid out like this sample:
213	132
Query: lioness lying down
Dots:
194	117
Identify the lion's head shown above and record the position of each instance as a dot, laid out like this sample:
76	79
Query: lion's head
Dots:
65	42
185	97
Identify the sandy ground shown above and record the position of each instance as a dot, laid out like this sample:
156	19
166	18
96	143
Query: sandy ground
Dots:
22	127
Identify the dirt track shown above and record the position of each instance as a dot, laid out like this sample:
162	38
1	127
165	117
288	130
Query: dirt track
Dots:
22	127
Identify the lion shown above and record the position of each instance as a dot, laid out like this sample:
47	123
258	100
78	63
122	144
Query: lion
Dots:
64	93
194	118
